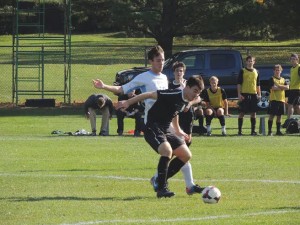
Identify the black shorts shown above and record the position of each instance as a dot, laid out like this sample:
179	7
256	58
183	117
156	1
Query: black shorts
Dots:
186	121
276	108
294	97
155	135
249	104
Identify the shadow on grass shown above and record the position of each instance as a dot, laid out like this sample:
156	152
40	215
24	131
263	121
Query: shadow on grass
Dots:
288	208
69	198
82	170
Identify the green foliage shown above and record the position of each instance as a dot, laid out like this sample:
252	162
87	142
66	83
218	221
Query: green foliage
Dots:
48	179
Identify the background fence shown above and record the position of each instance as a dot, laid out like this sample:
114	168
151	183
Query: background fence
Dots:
103	61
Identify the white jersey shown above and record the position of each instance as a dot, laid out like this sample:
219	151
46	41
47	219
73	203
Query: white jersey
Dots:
147	82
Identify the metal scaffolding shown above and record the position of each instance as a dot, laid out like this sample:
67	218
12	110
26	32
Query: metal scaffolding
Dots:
41	62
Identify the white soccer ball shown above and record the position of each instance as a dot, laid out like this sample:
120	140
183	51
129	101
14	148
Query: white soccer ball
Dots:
211	195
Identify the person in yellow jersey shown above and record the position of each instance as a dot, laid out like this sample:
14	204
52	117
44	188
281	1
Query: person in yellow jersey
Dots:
294	91
216	104
278	86
249	93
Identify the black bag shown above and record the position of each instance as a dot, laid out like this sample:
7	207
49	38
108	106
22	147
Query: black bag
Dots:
199	130
292	126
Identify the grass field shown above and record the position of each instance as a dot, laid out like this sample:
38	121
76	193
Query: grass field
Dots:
48	179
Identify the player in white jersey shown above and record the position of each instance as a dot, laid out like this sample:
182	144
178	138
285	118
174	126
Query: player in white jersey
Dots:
151	80
147	82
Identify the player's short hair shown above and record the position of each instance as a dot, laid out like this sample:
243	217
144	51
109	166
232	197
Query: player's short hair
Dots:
250	57
177	65
294	55
100	102
155	51
278	66
213	78
195	80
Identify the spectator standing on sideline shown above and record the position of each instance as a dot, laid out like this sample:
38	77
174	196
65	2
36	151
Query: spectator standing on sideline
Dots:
294	92
151	80
104	104
185	117
173	150
216	105
249	93
134	111
278	86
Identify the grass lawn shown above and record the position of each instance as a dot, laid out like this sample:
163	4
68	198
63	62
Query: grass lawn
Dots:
49	179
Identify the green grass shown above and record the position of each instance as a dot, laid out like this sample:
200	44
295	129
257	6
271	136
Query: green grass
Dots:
48	179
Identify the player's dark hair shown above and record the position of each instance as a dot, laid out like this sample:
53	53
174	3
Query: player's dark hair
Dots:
195	80
101	102
294	55
250	57
155	51
178	64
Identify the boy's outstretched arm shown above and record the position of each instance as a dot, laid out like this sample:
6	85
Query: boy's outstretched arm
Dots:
114	89
141	97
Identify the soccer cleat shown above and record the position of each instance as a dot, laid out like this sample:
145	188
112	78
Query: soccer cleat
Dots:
208	134
194	189
279	133
224	133
270	133
102	133
253	133
93	134
154	183
164	193
240	133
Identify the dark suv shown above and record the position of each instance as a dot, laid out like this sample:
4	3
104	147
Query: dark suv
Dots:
223	63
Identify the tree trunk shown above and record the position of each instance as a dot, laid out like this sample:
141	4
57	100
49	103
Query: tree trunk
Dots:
166	34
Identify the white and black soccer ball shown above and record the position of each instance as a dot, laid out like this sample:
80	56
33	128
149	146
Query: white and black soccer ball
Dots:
263	103
211	195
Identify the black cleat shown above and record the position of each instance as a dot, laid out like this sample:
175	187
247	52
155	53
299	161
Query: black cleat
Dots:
240	133
164	193
253	133
279	133
194	189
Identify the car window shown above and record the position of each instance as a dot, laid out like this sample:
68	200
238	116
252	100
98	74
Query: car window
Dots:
194	61
222	61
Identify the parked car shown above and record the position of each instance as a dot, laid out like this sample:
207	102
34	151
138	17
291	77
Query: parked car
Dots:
223	63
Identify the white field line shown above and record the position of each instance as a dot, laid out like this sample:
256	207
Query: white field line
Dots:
137	178
173	220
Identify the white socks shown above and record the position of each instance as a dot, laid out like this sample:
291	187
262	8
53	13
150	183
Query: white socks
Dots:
188	174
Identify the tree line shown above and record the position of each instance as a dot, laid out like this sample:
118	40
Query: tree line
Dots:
166	19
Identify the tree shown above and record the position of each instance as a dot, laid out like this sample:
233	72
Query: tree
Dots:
164	20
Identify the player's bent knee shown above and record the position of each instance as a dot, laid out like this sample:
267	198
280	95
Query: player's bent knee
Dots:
183	153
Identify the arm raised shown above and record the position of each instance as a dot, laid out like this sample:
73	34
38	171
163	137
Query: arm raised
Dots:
114	89
141	97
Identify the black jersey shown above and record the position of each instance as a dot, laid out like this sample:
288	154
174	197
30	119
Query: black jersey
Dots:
168	104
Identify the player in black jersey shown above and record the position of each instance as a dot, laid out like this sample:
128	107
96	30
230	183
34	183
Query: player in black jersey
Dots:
186	118
165	141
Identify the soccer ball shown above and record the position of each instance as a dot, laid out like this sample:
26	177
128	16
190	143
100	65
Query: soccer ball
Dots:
211	195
